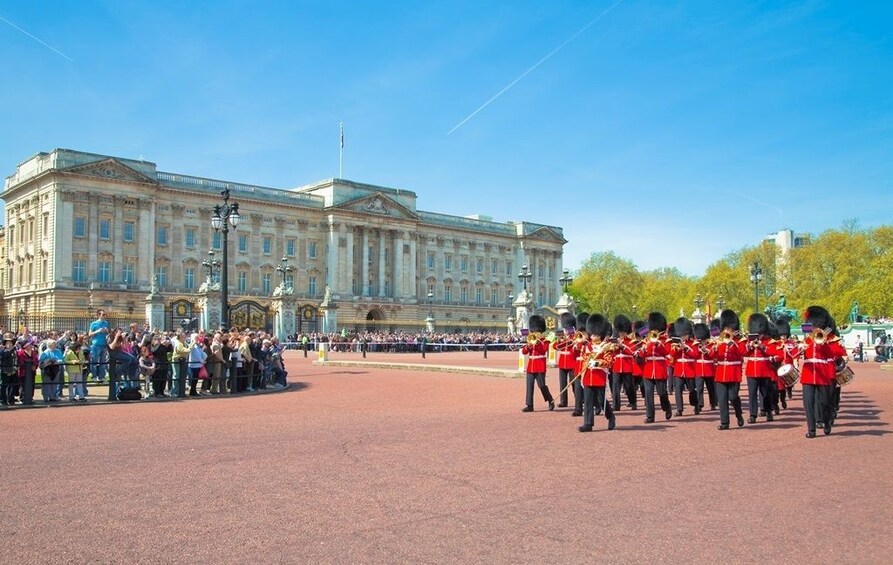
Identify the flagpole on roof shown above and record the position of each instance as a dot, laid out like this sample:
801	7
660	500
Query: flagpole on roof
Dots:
341	154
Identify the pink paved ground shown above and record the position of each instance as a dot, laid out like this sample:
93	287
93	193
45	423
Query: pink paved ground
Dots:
357	465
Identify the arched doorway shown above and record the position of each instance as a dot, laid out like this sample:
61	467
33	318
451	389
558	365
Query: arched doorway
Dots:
308	317
181	314
374	319
249	314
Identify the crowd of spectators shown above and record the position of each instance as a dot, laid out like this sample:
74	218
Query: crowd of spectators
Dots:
404	342
136	361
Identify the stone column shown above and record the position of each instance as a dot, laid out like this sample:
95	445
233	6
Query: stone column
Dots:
365	265
329	308
398	265
413	262
118	241
145	233
332	258
284	305
211	303
155	311
349	265
382	268
92	238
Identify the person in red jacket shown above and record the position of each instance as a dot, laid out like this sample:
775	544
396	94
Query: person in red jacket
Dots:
759	358
564	351
622	371
536	350
728	354
704	368
685	356
655	353
582	317
640	330
817	370
790	354
598	359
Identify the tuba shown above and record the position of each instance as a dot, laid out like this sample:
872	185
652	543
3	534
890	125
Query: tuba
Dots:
653	336
534	337
820	336
727	336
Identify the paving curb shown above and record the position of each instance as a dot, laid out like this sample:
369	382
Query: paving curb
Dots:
504	373
886	366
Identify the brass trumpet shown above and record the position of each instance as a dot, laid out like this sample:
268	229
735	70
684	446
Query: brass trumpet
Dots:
819	336
534	337
579	337
653	335
726	336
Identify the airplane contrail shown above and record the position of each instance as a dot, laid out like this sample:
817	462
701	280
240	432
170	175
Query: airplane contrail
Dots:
37	39
537	64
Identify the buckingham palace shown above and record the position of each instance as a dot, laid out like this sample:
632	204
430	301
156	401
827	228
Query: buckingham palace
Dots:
85	231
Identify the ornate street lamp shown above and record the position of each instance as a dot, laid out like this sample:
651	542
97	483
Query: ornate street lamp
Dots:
211	265
720	303
430	307
285	270
525	276
224	216
698	301
566	279
756	275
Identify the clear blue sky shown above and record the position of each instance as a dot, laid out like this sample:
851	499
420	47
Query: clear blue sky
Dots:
669	132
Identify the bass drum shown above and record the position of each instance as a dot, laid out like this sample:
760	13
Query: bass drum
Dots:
844	375
789	374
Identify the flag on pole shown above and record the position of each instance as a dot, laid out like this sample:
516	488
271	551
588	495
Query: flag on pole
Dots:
342	135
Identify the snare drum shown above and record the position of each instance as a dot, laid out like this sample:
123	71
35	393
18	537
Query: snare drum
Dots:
845	376
789	374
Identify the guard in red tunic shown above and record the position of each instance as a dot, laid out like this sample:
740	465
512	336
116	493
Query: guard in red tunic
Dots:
598	361
685	357
728	354
536	349
640	330
654	373
759	358
704	368
582	318
790	353
624	365
564	350
817	370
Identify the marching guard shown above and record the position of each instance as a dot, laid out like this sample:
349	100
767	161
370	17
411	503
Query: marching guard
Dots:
536	349
654	373
728	354
598	360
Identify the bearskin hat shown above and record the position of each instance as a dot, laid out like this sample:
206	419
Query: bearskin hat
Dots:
622	324
657	322
598	326
701	331
729	319
818	317
833	327
537	323
758	324
784	327
640	327
773	331
581	321
682	327
568	320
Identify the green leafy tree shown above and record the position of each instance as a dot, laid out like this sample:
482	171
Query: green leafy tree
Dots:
606	284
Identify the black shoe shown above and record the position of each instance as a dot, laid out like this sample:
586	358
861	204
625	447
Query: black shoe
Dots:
576	414
762	413
713	406
769	417
679	412
723	427
563	405
784	403
827	428
668	414
810	435
527	409
752	420
649	420
740	421
584	429
612	423
697	410
551	405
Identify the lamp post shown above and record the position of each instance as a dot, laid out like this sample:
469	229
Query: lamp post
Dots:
698	301
634	312
224	216
720	303
430	302
284	270
566	279
510	320
525	276
756	275
211	265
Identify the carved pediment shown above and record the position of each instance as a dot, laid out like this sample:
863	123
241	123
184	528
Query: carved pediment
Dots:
111	169
546	234
378	204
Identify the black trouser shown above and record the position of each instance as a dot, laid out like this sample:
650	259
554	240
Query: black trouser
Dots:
671	378
578	396
700	383
629	388
540	379
564	376
8	387
159	380
616	386
193	380
691	384
594	396
661	386
28	385
835	399
816	404
763	386
728	393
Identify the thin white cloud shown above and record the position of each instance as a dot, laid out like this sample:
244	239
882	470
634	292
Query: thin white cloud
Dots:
37	39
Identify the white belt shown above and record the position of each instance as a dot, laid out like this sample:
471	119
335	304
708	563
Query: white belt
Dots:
537	357
728	362
621	356
813	360
686	360
756	359
703	360
655	359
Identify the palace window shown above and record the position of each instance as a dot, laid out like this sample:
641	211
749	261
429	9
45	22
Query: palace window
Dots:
311	250
290	247
430	260
493	267
105	228
105	271
311	286
242	284
217	240
479	296
268	245
447	293
509	269
128	232
243	243
447	262
190	238
79	270
189	278
161	235
127	275
463	294
480	267
266	283
463	264
161	276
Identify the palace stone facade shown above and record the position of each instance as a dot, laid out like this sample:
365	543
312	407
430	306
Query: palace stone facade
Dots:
85	230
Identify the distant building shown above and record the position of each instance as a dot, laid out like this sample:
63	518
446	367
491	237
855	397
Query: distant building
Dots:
786	240
85	231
